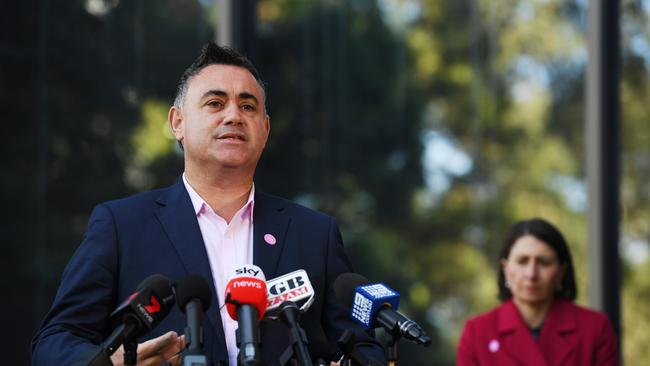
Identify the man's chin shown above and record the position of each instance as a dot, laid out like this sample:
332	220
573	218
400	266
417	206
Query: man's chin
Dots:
236	162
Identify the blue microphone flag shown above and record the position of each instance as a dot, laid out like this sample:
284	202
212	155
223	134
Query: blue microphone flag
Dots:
369	299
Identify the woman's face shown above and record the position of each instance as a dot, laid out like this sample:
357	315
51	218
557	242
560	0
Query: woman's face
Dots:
532	271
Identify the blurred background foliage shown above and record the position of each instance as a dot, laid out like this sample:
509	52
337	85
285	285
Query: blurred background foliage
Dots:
425	126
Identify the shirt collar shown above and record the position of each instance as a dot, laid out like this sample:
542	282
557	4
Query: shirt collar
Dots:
200	205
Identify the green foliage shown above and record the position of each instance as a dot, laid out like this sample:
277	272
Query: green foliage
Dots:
635	196
358	104
151	141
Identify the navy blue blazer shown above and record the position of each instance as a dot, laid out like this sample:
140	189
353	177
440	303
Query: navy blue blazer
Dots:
157	232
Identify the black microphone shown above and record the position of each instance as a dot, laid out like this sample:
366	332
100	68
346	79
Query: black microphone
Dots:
193	296
135	317
285	294
376	304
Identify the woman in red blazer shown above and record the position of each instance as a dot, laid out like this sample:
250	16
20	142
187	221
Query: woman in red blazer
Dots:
537	323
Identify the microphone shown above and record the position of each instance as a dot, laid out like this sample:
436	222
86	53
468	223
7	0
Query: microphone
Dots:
290	314
245	299
284	293
374	305
136	316
294	286
193	296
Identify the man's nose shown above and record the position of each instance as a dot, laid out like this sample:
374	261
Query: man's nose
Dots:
233	114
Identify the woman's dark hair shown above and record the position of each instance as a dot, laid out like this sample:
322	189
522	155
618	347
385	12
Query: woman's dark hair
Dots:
549	234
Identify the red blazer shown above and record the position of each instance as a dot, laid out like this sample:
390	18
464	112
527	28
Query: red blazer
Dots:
571	335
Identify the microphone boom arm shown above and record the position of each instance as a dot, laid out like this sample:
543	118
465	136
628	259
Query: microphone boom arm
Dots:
289	314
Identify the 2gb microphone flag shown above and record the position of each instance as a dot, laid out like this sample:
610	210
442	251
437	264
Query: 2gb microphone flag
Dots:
294	286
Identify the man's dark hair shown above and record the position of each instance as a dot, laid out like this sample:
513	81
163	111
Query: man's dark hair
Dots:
212	54
549	234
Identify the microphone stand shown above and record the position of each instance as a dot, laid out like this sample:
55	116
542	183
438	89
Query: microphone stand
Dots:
123	334
396	333
347	343
392	349
289	314
392	344
130	352
248	336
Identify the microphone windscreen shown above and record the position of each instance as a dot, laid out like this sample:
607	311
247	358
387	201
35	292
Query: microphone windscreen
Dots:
345	286
247	286
193	286
153	296
159	284
246	291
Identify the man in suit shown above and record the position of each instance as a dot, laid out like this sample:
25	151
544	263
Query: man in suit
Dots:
210	222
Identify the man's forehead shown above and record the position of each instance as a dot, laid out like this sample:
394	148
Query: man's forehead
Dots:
226	78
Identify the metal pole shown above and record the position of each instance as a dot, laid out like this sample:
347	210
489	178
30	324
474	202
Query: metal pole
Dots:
224	36
236	25
603	157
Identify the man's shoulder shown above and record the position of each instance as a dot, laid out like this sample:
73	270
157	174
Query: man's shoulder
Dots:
139	200
293	208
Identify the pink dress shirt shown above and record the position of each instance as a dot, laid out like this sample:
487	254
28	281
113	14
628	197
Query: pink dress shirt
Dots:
228	245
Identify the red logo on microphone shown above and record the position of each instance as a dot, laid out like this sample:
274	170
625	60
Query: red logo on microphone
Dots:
154	307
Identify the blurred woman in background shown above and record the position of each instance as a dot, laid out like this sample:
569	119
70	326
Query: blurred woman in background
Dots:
537	323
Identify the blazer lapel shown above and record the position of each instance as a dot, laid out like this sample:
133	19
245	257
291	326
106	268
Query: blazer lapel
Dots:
178	219
270	224
558	339
515	338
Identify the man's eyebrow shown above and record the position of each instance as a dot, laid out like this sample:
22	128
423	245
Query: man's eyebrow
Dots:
248	96
223	94
214	93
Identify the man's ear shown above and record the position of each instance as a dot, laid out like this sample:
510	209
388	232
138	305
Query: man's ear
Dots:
176	123
267	126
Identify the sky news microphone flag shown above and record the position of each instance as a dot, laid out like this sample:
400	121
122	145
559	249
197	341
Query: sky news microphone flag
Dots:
246	302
